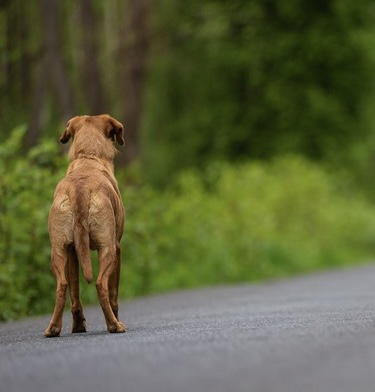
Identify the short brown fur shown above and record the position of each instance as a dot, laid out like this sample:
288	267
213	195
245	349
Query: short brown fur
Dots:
87	213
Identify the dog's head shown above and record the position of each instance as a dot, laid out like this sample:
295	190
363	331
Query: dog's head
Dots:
110	127
93	135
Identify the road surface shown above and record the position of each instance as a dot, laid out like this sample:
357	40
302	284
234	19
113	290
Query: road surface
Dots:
314	333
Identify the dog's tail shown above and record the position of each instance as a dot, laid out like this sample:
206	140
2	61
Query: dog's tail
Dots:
81	233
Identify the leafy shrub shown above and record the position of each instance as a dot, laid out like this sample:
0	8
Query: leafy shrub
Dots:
243	223
232	223
26	187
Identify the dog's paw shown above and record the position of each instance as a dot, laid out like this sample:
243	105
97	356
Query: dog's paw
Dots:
118	327
52	332
79	328
79	324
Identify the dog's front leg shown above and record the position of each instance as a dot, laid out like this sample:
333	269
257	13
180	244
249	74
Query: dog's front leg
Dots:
72	270
58	263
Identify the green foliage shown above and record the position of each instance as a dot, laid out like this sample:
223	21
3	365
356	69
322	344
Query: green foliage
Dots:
231	223
257	78
244	223
229	81
26	188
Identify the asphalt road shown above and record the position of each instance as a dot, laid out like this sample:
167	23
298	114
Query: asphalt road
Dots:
314	333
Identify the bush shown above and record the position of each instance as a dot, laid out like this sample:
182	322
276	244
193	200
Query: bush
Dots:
26	188
229	224
243	223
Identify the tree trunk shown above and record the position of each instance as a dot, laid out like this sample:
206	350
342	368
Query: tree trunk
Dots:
133	61
90	68
39	93
52	73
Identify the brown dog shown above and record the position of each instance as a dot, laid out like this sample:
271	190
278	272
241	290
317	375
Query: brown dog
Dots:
87	213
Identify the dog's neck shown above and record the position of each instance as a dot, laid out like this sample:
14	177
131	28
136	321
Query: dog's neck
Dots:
92	161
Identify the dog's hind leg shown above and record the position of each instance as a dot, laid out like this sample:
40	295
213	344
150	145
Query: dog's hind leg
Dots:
72	271
58	262
108	267
114	281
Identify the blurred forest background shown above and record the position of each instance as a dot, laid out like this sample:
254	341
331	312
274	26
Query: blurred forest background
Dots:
249	126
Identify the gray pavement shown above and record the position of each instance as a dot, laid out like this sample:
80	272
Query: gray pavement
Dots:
314	333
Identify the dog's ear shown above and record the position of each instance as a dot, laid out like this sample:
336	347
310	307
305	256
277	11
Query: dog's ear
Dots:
115	130
69	131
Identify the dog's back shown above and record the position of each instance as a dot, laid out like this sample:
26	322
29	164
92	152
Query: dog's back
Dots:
87	211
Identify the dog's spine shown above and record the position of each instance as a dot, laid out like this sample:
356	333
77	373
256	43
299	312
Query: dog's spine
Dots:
81	234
